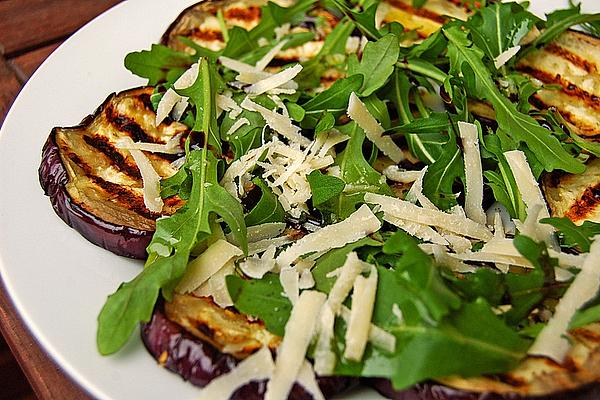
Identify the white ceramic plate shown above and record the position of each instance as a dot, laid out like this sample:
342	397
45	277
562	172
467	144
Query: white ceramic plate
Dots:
57	280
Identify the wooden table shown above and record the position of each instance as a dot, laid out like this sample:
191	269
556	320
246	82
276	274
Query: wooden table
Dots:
30	31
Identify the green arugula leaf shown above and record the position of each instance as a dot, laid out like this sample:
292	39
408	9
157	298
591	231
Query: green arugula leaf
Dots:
262	299
202	95
466	60
158	63
333	100
268	209
559	21
169	251
484	282
377	64
326	122
440	177
500	26
364	20
573	235
324	187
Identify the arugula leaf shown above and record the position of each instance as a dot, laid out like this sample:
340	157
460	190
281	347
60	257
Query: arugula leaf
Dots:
573	235
169	251
268	208
324	187
202	95
441	175
357	174
500	26
466	60
559	21
262	299
365	20
158	63
377	64
484	282
332	100
326	122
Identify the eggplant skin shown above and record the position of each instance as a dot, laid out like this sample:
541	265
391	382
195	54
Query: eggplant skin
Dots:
436	391
95	187
121	240
199	362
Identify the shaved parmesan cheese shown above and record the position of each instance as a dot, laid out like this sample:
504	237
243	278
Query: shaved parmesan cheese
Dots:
267	58
473	172
278	122
226	103
180	108
150	178
263	245
216	287
363	302
403	209
505	56
377	337
188	78
274	81
306	379
530	192
551	341
259	366
324	356
484	256
396	174
307	280
165	105
173	146
359	113
417	230
237	125
289	279
358	225
352	267
236	65
200	269
415	194
299	331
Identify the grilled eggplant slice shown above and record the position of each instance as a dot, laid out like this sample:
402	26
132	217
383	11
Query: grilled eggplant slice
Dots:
198	361
95	187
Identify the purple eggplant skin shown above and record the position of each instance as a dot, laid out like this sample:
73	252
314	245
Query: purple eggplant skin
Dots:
199	362
436	391
121	240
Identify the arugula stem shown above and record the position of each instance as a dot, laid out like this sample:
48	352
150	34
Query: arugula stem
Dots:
420	105
426	69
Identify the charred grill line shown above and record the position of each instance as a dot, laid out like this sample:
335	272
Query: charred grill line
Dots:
249	14
128	126
537	102
585	205
102	144
206	35
125	197
571	57
144	98
569	88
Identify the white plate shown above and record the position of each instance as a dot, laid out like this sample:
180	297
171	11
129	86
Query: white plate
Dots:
57	280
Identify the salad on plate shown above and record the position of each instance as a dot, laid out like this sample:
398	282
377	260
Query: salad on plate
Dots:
402	194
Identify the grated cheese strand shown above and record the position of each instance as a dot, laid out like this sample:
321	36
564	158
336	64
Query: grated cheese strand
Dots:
298	333
473	172
363	302
357	226
359	113
551	341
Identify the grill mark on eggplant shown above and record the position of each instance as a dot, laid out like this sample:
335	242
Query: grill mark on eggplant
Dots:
421	12
126	197
206	35
585	204
537	102
249	14
75	159
512	380
102	144
127	125
144	98
569	88
573	58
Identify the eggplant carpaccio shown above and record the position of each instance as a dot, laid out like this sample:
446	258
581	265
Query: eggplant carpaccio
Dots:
95	187
199	361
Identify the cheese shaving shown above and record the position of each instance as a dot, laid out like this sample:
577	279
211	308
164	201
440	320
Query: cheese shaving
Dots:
237	125
267	58
216	286
150	178
377	337
359	324
274	81
200	269
396	174
505	56
473	172
259	366
289	279
359	113
358	225
348	272
551	341
324	356
172	99
407	211
173	146
299	331
226	103
306	379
